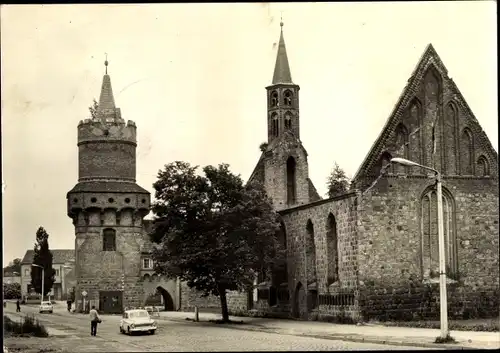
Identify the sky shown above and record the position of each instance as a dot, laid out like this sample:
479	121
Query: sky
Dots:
193	78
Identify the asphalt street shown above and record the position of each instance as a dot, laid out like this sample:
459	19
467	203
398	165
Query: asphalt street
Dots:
180	336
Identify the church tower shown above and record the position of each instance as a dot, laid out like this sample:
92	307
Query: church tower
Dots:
283	167
107	208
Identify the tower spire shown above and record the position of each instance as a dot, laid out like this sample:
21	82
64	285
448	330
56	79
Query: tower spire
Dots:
107	106
282	72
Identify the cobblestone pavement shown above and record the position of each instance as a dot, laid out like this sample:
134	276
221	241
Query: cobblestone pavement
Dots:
179	336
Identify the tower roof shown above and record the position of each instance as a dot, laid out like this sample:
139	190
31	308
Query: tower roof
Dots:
106	108
282	72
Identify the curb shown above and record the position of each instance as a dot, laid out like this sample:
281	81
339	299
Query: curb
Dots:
346	338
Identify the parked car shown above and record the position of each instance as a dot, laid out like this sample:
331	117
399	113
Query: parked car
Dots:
137	320
46	307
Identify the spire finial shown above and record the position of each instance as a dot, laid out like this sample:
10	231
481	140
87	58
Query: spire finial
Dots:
106	63
281	19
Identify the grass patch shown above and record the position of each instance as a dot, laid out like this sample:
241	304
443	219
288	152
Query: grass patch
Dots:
447	339
485	325
27	326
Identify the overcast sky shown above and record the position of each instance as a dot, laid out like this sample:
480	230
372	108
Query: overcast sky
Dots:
193	79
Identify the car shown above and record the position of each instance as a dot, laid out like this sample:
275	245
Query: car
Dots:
46	307
137	320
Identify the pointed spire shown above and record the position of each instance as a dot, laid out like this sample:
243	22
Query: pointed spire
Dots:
282	68
106	100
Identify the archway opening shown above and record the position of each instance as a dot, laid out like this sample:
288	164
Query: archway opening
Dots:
300	301
167	298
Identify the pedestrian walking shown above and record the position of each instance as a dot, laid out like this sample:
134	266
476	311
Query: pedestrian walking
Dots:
68	303
18	306
94	320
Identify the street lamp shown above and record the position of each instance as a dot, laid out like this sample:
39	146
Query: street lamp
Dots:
43	280
443	300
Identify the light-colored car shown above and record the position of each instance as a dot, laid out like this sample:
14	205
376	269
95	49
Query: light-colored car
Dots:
137	320
46	307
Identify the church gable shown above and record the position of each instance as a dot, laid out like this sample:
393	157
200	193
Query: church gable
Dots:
432	115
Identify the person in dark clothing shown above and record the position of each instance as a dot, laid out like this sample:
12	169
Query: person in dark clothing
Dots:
18	306
68	302
94	320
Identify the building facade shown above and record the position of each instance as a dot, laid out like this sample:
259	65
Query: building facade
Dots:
370	253
373	252
63	262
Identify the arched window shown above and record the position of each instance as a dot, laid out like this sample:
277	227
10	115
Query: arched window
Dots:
429	234
451	120
385	160
274	99
415	153
466	152
109	239
274	124
402	147
332	248
288	121
483	167
310	253
291	181
279	270
288	98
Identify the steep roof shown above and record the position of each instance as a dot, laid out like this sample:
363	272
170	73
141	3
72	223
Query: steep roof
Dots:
428	58
59	256
282	72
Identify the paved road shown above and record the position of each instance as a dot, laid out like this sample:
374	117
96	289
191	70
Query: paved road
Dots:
182	336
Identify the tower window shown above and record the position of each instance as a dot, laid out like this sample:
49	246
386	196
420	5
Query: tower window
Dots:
274	99
288	121
274	125
288	98
109	240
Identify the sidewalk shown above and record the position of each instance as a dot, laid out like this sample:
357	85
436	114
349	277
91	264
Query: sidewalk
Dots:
379	334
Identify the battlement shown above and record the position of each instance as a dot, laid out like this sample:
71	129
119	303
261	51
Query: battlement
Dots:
106	130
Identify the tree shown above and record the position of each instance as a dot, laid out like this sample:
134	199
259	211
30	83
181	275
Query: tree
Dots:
338	182
93	109
42	257
212	231
14	266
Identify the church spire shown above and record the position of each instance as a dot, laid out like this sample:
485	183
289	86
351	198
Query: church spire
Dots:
107	106
282	68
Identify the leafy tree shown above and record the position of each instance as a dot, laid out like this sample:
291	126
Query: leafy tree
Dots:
93	109
212	231
14	266
42	257
11	290
338	182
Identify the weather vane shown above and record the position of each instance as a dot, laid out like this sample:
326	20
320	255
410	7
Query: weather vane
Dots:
106	62
281	18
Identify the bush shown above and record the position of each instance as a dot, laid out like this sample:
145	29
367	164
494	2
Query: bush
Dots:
28	326
11	290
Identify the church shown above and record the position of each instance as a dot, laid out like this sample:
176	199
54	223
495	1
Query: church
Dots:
369	253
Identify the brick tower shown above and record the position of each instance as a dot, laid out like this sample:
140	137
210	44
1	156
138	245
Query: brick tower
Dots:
107	208
284	162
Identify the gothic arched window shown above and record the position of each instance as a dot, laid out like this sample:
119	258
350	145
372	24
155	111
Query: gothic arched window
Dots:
274	99
451	119
466	152
291	181
483	167
333	249
274	124
402	146
288	98
288	121
109	239
429	234
310	253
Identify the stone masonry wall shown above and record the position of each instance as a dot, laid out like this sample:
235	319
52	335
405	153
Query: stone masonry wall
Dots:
343	208
392	281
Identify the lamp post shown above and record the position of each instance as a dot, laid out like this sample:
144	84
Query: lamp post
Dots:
43	280
443	300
